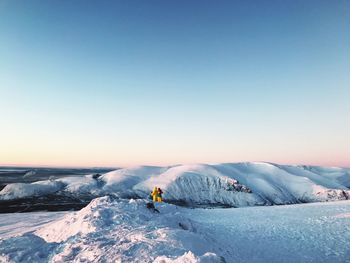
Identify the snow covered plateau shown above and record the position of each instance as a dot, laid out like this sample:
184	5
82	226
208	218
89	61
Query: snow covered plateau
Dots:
116	226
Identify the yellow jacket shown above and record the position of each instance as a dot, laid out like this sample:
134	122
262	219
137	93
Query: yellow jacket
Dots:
155	192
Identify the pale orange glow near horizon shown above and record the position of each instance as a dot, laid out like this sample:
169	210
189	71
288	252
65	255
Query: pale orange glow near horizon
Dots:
107	148
158	158
103	148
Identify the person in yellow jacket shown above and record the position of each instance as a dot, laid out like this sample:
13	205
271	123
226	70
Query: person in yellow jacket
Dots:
157	195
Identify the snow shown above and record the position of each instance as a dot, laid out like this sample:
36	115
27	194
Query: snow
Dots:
29	173
229	184
15	224
295	233
343	215
201	184
76	223
80	185
189	257
71	185
121	181
243	184
21	190
120	230
108	230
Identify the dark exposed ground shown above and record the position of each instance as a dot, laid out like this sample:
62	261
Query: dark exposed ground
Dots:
46	203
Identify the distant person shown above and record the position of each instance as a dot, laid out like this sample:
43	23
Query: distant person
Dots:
157	194
160	192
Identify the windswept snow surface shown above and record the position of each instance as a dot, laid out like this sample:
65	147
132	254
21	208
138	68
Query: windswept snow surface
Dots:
110	230
15	224
231	184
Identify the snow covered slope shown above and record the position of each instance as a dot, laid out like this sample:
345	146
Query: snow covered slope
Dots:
15	224
231	184
122	181
21	190
110	230
199	184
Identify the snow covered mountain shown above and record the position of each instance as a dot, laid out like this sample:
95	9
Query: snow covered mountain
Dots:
228	184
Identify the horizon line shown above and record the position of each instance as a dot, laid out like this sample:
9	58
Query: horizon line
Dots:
11	165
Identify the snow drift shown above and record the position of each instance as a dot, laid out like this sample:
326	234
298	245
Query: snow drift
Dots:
110	230
230	184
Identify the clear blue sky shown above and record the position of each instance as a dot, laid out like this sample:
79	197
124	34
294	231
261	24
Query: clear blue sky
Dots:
114	83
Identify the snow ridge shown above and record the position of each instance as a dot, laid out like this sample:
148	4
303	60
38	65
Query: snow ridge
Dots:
227	184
